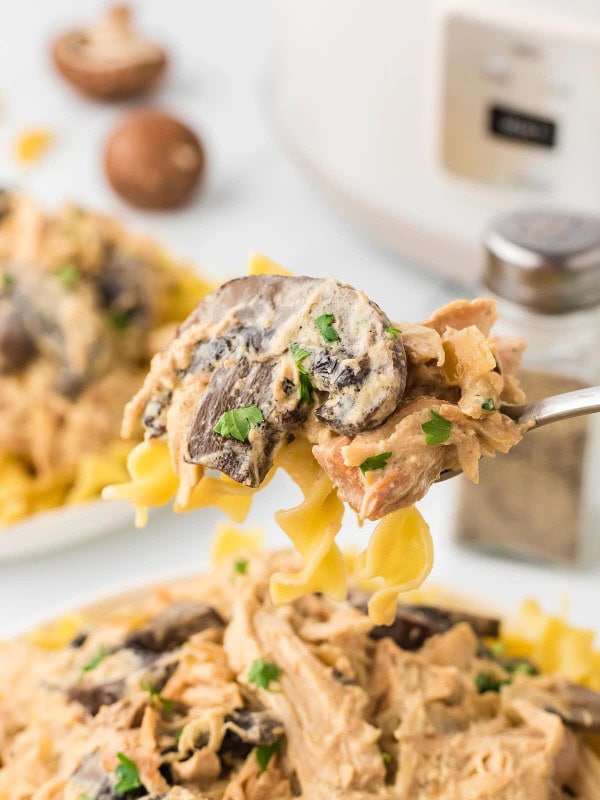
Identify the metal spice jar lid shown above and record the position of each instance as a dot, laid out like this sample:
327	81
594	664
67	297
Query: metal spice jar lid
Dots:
544	259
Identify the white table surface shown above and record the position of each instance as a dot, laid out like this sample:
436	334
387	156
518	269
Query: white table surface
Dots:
253	199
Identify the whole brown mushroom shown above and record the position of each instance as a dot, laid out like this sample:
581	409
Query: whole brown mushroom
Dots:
109	60
153	160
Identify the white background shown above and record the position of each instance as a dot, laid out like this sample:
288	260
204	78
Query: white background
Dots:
254	199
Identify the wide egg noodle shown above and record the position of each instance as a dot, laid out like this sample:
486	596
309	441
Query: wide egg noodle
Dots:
312	526
400	556
397	558
153	480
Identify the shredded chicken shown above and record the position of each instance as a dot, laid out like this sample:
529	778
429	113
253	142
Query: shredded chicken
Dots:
203	690
454	370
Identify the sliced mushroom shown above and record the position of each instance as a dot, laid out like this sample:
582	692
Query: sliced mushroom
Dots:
93	696
123	290
242	353
51	316
17	348
6	203
254	728
414	624
577	706
91	780
173	626
109	60
240	386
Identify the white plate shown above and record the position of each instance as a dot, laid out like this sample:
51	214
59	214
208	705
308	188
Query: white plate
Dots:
61	527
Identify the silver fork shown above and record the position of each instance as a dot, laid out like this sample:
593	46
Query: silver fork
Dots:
550	409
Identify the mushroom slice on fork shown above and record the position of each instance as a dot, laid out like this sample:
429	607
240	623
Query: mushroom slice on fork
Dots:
256	356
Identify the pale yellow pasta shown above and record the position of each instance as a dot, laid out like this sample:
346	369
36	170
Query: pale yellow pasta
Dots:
312	526
230	540
261	265
58	633
553	644
153	481
398	556
96	470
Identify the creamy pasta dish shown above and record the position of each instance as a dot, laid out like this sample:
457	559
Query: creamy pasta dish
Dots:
309	375
83	305
205	690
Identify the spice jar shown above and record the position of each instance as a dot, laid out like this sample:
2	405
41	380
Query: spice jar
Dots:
541	501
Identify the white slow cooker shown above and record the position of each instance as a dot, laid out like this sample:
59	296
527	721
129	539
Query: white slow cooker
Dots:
425	118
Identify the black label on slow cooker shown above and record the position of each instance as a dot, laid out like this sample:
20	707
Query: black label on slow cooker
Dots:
519	127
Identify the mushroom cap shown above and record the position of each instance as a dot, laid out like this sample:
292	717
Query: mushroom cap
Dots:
153	160
108	61
236	350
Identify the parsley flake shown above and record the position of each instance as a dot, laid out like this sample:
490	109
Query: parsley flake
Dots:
262	673
486	682
488	405
375	462
386	757
393	332
128	775
119	320
521	667
299	353
68	275
240	567
236	424
325	325
101	654
264	753
156	698
306	387
85	797
437	429
8	281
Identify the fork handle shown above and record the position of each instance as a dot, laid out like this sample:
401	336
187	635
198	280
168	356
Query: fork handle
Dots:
557	407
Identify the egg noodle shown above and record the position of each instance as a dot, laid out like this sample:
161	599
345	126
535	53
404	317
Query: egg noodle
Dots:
398	557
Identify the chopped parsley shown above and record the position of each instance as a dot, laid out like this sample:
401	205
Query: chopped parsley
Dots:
97	659
240	567
306	387
118	319
375	462
85	797
325	325
299	353
521	667
437	429
264	753
393	332
236	424
68	275
386	757
488	404
486	682
262	673
8	280
156	698
128	775
497	648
